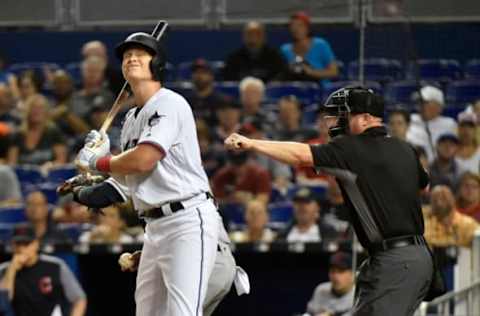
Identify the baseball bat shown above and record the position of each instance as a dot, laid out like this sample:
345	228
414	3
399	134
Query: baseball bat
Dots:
117	105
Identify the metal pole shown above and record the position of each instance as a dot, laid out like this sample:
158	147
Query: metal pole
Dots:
362	11
476	270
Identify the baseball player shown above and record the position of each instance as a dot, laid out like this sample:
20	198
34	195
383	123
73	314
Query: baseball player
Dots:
161	170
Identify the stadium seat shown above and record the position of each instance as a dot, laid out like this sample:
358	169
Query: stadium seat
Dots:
280	214
6	232
472	69
12	214
229	88
74	230
183	87
459	93
309	115
341	71
50	191
60	174
400	92
333	86
28	174
170	72
377	69
38	67
184	69
306	92
234	214
442	70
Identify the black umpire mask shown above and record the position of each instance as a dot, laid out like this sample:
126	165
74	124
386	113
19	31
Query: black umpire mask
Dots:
350	100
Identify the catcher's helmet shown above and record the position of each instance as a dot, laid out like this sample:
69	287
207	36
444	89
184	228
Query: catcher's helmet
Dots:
150	44
353	100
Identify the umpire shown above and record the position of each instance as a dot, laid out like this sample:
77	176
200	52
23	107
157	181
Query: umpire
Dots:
381	179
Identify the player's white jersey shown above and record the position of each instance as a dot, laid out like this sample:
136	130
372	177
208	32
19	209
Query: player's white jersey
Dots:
165	121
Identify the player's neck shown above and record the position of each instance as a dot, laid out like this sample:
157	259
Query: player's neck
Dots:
144	91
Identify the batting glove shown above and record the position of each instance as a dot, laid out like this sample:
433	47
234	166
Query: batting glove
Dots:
93	136
92	151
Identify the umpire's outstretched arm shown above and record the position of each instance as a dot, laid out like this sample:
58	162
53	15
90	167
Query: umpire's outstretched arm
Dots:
292	153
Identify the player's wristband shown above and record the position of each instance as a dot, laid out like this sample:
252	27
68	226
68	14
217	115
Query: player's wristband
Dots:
103	164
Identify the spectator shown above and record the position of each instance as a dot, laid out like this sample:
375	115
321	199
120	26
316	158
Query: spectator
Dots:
427	126
204	99
256	217
110	228
444	225
39	141
112	74
255	58
228	114
398	123
337	213
468	195
281	174
310	58
307	226
468	153
212	158
94	92
252	94
241	180
67	120
444	169
289	126
9	185
308	176
7	108
29	84
39	284
335	298
69	211
36	211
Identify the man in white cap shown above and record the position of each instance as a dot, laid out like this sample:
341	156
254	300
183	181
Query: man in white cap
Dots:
429	124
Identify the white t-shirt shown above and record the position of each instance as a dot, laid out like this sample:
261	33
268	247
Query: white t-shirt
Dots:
471	164
417	132
165	121
311	235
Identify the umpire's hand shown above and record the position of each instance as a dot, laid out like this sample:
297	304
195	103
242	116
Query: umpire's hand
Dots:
238	142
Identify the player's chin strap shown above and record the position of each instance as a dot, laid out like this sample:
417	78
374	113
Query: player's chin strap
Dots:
241	281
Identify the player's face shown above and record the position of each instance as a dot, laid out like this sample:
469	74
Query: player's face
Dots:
136	65
298	29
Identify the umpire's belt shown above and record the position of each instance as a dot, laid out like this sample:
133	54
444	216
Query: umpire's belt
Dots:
397	242
170	208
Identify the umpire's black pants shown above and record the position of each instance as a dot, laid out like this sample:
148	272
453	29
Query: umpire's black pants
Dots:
393	282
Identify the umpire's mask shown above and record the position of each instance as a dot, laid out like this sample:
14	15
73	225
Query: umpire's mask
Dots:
350	100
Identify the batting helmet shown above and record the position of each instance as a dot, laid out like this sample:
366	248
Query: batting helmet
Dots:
150	44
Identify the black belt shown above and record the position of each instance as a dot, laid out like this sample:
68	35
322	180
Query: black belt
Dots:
174	206
397	242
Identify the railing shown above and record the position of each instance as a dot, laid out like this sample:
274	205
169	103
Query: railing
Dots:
464	301
443	304
72	14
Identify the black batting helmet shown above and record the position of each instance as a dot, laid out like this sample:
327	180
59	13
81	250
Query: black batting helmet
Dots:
150	44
